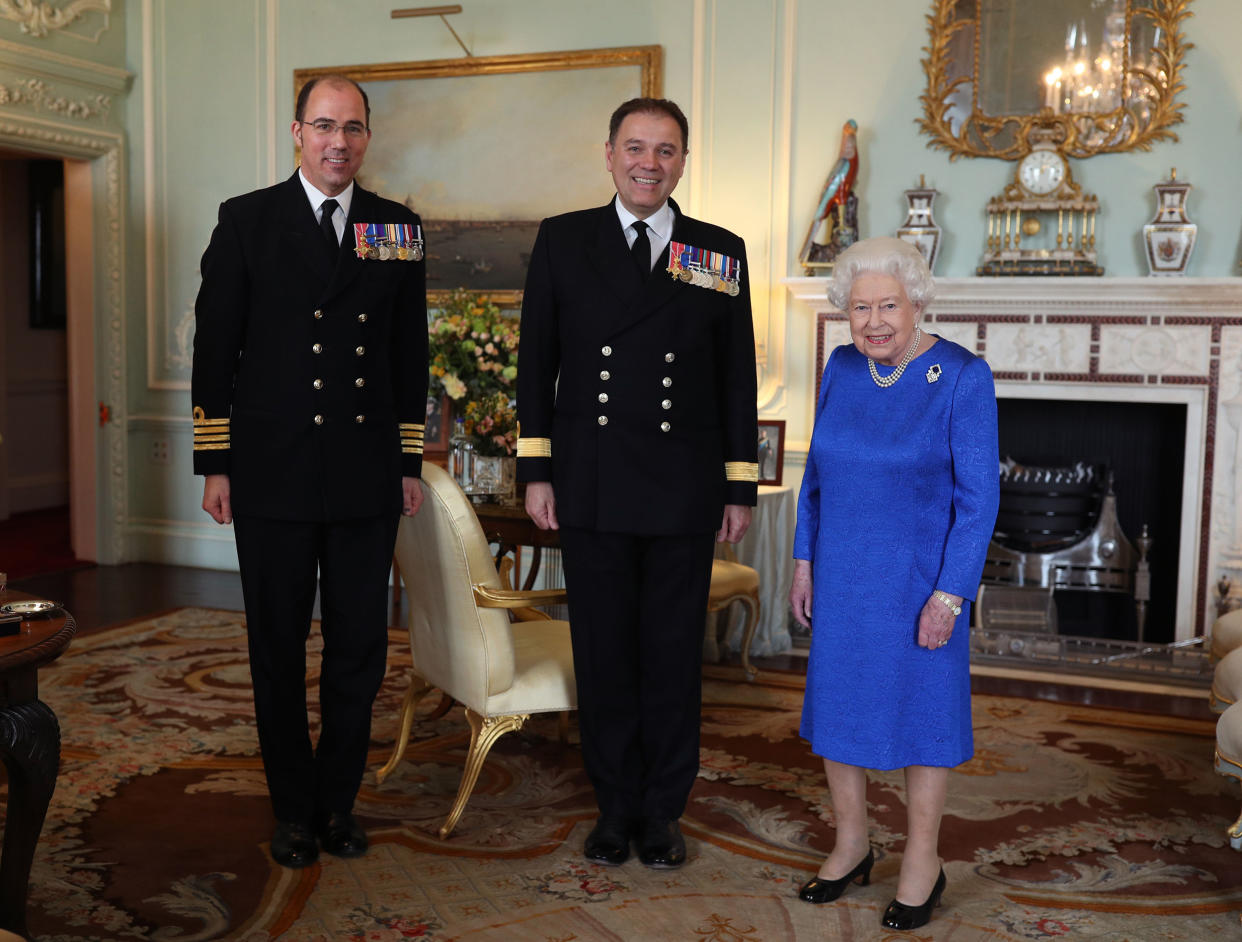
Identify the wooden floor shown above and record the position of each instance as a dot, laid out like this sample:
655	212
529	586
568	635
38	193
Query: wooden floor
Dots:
103	596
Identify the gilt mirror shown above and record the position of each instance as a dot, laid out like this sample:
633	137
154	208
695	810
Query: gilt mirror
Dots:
1105	73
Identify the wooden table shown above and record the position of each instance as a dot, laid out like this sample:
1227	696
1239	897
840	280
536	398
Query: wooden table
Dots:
30	748
510	528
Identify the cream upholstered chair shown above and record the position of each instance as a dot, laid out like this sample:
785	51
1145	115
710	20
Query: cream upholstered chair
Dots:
1227	633
735	582
1229	758
1227	682
461	637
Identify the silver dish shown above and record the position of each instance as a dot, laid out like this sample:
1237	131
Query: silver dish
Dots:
33	607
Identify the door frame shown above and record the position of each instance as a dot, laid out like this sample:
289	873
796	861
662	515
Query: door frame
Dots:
95	279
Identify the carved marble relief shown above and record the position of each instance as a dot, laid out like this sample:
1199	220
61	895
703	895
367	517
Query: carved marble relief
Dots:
1157	351
1039	348
963	334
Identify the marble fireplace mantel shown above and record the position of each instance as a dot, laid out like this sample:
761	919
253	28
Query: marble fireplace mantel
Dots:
1169	340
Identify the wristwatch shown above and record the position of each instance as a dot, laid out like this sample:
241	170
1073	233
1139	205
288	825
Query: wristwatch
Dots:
953	606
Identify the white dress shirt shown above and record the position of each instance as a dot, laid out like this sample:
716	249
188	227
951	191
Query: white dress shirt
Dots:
316	197
659	228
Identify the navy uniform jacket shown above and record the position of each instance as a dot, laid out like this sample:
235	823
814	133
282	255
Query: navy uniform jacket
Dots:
635	399
310	371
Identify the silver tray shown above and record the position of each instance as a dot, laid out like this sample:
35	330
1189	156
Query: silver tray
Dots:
33	607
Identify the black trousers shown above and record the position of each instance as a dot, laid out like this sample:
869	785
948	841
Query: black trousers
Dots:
637	606
279	561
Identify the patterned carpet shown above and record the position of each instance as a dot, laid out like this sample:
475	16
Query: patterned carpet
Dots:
1069	823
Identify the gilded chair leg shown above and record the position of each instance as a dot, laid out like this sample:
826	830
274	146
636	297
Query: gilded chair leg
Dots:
413	694
751	604
484	731
396	592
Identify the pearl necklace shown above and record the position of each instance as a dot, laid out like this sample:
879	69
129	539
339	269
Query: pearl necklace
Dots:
885	381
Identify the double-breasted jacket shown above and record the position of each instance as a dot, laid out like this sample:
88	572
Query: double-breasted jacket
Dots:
310	366
636	397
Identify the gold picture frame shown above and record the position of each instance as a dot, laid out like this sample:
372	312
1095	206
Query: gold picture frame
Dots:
956	122
448	118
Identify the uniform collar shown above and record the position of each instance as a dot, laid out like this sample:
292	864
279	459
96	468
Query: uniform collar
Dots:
660	222
316	196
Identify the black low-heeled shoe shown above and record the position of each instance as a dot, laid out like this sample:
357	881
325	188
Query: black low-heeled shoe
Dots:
903	918
818	890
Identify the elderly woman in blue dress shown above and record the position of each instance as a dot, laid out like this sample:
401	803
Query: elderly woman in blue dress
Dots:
897	506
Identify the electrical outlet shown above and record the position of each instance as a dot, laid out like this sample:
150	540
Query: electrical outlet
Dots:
159	451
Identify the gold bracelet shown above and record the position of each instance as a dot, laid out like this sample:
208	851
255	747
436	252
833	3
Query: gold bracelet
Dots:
953	606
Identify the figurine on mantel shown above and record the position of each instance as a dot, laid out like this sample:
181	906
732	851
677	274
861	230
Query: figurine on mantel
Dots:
1170	237
834	227
920	229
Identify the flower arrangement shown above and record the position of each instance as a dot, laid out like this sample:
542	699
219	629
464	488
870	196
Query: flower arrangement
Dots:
473	348
491	423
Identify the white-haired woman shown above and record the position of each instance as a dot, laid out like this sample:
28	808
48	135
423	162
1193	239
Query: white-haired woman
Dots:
897	506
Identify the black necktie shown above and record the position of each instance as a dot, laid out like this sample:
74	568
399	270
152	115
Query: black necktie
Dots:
326	226
641	250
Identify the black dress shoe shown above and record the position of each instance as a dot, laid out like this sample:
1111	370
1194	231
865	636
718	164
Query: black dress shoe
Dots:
340	835
661	846
609	842
819	890
293	845
902	917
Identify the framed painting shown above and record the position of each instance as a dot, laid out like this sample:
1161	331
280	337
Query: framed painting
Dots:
771	451
483	148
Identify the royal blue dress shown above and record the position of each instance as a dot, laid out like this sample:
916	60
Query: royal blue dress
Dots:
899	498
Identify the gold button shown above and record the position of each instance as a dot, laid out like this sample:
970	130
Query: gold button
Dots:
359	351
318	384
319	420
664	426
317	348
603	420
666	404
667	381
360	382
360	419
669	358
362	318
605	375
606	351
603	397
318	315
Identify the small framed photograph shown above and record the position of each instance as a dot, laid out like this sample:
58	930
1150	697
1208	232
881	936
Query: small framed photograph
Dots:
771	450
437	430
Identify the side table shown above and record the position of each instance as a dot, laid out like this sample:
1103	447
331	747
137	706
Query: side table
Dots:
30	748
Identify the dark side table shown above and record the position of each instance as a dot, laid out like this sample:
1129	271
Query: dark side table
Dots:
30	748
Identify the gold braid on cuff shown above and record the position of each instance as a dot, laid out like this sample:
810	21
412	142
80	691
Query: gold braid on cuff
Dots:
742	471
210	434
534	448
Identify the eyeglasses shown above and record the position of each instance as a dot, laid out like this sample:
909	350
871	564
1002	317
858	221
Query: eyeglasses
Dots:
326	128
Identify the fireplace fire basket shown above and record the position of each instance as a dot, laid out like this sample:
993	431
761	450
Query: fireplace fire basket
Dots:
1057	528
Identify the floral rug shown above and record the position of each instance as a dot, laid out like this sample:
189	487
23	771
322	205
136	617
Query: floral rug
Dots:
1069	823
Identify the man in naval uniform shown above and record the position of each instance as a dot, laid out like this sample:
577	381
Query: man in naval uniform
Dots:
309	394
636	400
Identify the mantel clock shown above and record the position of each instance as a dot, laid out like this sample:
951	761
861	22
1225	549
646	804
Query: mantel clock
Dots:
1042	223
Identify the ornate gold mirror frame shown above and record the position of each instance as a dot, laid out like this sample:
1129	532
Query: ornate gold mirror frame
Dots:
1148	106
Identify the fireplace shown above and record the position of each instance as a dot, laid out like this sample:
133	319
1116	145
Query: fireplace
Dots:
1134	449
1145	373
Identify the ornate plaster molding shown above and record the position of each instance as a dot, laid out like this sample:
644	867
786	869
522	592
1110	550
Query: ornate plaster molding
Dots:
26	59
35	94
39	18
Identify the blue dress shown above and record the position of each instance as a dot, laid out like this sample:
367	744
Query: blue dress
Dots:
899	498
